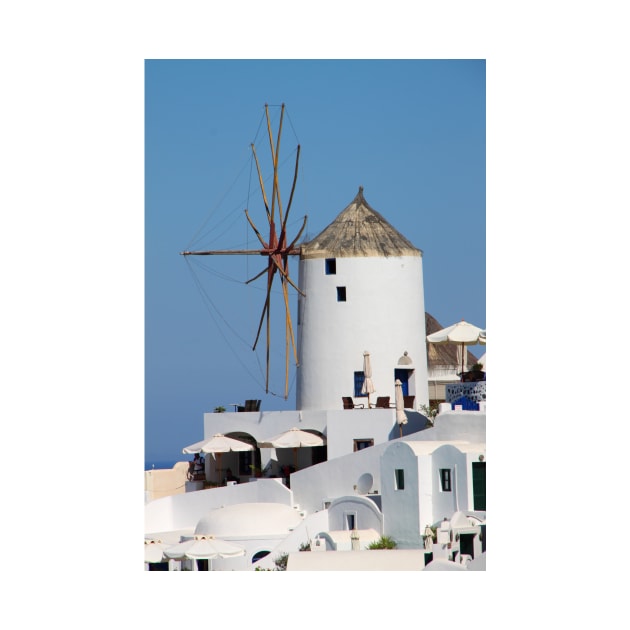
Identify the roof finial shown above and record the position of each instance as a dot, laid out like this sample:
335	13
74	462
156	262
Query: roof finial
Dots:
360	190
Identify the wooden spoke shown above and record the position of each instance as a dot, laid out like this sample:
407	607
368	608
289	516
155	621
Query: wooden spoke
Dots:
285	275
265	270
264	312
295	240
286	216
262	185
268	334
260	238
275	248
274	155
289	323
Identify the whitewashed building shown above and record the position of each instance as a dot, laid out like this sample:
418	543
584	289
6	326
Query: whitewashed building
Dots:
364	292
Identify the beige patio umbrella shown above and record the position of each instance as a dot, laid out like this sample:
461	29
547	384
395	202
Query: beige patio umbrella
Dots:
460	334
293	438
368	385
204	547
154	550
401	416
217	445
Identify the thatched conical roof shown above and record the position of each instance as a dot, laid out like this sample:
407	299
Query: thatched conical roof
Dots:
444	353
359	230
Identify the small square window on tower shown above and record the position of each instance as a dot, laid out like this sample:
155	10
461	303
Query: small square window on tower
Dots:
331	266
341	294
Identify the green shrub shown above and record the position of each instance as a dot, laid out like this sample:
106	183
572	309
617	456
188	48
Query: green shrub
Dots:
281	562
384	542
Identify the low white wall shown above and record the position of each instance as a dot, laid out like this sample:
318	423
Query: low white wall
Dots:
457	425
183	511
165	482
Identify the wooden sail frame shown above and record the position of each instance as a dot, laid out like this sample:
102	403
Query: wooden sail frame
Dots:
276	248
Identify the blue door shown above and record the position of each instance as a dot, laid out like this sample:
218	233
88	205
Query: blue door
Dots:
403	375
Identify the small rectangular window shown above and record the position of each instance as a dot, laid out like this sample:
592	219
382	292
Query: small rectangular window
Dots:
445	478
331	266
341	294
359	445
351	520
399	477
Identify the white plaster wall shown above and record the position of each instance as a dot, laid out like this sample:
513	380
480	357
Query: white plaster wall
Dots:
407	512
183	511
383	314
445	503
346	425
401	514
261	424
367	514
340	427
457	425
426	512
252	547
304	532
335	478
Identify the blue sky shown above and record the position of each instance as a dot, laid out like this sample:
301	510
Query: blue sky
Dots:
411	132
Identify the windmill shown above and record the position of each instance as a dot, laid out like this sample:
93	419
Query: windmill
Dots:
276	248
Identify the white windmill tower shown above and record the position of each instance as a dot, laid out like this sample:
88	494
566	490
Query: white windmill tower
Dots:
361	290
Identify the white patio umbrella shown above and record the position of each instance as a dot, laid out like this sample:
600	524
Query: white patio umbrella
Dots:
217	445
401	416
461	334
293	438
204	547
154	550
368	385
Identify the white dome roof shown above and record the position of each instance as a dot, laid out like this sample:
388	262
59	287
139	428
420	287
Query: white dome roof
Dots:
247	520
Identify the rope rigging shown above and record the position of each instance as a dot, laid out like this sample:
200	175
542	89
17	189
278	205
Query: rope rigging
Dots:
216	315
276	248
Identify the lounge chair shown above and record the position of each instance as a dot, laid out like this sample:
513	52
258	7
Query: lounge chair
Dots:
252	405
382	402
409	401
348	403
